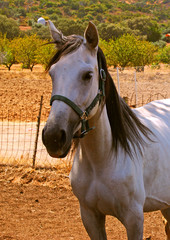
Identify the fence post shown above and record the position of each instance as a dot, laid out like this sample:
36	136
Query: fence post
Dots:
118	83
136	90
37	132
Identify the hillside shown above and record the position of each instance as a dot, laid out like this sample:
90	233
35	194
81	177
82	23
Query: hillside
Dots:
111	11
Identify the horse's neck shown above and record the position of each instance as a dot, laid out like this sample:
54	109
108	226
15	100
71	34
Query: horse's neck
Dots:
97	145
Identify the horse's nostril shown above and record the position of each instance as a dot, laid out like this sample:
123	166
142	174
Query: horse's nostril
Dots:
58	139
63	137
53	139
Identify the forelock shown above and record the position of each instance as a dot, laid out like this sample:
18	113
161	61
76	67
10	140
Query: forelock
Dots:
71	44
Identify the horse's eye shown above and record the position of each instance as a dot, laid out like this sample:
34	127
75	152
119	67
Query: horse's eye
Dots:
87	76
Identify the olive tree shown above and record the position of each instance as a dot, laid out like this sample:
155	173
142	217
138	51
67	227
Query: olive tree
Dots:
7	52
27	49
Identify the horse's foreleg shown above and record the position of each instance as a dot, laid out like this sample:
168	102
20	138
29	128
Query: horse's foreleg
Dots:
94	223
133	222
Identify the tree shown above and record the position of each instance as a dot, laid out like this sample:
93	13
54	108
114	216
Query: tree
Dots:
21	12
144	54
27	49
7	52
70	27
128	50
45	53
146	27
113	31
123	48
9	27
107	48
164	55
40	30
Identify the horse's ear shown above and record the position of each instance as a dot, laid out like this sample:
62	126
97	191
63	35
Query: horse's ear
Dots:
91	35
57	36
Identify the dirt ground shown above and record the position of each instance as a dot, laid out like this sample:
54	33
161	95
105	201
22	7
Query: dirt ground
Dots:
39	204
21	91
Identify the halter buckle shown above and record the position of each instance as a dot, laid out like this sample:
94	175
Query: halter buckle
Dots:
84	116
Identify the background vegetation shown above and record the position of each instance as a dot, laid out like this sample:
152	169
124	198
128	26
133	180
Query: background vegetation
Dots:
133	33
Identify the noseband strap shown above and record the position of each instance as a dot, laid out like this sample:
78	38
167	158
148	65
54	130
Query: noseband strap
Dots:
68	102
84	114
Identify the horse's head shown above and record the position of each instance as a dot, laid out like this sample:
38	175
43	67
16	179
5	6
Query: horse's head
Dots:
74	72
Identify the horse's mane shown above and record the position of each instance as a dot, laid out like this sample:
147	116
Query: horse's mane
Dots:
127	129
125	125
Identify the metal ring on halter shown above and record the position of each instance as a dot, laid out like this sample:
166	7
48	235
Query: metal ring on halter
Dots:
102	74
84	116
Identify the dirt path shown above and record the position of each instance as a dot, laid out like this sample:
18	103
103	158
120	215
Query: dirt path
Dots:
39	204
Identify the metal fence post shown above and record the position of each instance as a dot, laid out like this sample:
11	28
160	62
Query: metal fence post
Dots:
118	82
37	132
136	90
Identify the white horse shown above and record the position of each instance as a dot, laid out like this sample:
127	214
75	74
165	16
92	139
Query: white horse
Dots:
122	162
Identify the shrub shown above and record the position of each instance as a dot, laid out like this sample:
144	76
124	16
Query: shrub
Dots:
146	27
9	27
164	55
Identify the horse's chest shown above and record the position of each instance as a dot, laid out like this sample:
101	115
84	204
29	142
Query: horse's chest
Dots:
98	196
95	194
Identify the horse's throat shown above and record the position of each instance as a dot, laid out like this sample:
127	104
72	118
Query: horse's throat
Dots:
97	144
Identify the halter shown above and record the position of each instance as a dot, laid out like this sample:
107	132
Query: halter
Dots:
84	114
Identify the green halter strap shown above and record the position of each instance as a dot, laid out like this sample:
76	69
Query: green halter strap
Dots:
84	114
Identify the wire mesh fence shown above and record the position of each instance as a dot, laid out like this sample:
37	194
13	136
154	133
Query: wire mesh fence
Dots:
139	88
21	141
21	123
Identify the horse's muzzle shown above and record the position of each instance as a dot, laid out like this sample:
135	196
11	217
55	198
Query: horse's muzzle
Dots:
56	142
